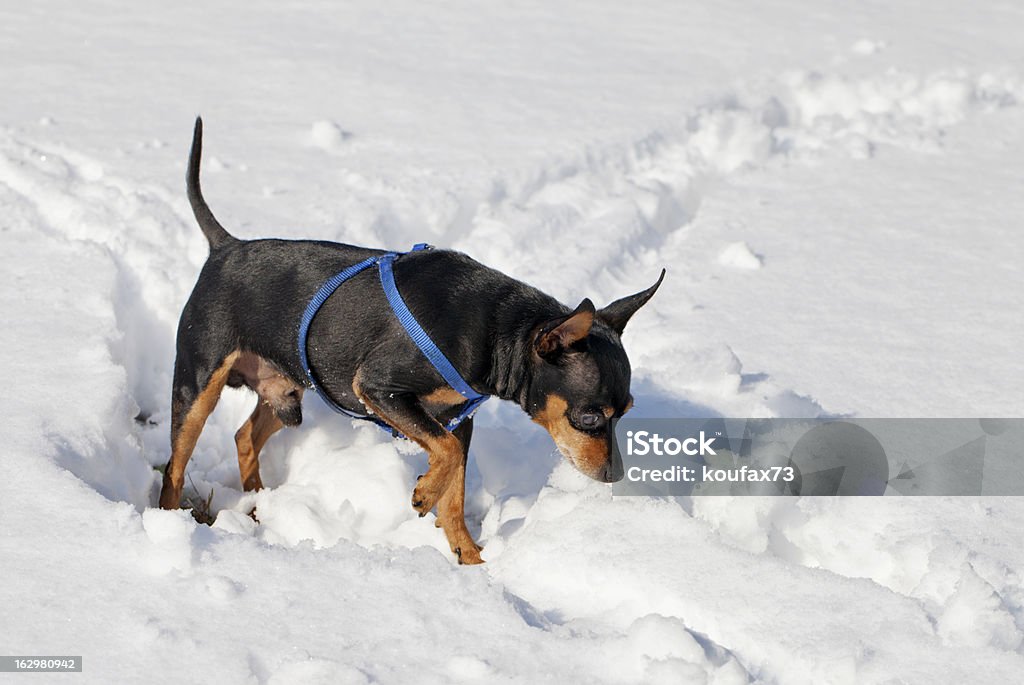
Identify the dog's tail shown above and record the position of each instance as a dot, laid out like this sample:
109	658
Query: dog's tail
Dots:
214	232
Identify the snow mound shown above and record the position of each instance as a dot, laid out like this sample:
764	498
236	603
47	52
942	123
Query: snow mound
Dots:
740	256
328	135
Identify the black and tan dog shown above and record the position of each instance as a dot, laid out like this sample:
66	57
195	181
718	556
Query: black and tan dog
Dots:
566	368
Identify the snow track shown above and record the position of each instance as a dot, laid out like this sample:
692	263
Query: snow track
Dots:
335	584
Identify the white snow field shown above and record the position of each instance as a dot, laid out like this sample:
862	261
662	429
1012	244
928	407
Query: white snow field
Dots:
836	189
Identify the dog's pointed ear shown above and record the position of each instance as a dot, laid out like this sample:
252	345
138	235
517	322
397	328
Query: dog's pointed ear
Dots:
558	334
618	313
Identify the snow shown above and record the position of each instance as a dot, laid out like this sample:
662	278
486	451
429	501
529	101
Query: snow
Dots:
835	195
740	256
328	135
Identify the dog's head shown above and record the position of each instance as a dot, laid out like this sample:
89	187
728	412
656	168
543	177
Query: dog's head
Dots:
580	381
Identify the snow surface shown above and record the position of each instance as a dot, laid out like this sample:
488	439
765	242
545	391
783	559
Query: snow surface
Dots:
835	190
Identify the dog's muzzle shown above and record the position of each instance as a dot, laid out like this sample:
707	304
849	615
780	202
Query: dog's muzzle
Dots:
613	470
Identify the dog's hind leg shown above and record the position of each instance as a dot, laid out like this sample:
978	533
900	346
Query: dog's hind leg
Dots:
451	515
250	439
192	403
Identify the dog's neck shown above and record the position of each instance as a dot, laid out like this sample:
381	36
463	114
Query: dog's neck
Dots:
515	323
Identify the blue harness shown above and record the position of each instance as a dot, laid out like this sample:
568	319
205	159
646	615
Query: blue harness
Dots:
412	327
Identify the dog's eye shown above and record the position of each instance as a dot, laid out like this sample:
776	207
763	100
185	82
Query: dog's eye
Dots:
591	420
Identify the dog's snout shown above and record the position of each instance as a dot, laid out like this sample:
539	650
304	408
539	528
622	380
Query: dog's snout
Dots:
613	471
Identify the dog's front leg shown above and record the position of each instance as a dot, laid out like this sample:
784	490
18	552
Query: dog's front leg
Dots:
443	485
451	513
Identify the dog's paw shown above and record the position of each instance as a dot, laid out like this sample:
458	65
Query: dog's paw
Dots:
469	555
424	496
464	547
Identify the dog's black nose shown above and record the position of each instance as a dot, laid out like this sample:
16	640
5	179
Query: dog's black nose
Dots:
613	471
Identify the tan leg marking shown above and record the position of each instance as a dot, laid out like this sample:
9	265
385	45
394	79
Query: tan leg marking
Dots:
250	439
444	396
443	485
588	454
444	453
444	456
451	516
184	441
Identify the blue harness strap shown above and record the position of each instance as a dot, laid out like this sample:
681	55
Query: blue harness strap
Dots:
325	291
419	336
